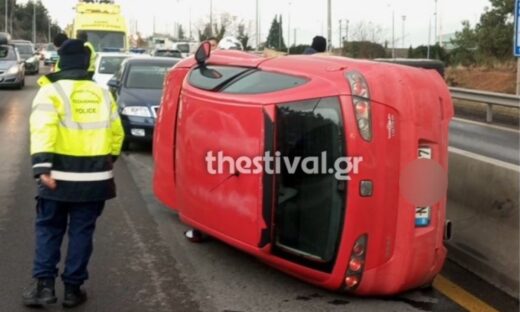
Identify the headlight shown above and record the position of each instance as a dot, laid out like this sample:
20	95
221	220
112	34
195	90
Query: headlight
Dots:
140	111
13	70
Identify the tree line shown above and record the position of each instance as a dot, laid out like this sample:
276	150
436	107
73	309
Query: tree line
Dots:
487	42
20	21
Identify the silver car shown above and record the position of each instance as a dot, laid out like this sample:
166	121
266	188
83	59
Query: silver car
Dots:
12	68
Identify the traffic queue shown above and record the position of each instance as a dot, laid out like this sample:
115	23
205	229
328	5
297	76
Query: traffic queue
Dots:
348	227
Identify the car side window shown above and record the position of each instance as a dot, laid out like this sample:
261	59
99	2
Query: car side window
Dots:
263	82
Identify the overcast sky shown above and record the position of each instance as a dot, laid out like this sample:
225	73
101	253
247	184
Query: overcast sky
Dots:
308	17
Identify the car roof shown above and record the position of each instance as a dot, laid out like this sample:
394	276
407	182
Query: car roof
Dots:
113	54
152	60
19	41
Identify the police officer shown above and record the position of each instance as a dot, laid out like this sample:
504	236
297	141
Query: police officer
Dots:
92	53
76	135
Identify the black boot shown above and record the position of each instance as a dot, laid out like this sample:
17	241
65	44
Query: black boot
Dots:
74	296
40	293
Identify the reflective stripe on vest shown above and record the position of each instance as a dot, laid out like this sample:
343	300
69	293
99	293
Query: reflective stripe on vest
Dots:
44	107
43	165
82	176
69	122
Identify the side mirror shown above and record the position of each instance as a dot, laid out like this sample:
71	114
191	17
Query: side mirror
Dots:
203	53
113	83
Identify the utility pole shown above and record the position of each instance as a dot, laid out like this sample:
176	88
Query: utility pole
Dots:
289	30
403	33
295	32
329	25
34	21
49	34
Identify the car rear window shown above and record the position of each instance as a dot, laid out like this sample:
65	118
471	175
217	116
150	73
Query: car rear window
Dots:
25	49
7	53
263	82
242	80
110	64
227	73
147	76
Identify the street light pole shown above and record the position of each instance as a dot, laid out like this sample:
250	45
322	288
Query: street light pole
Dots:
34	21
393	33
257	28
403	33
435	24
211	17
340	33
329	25
346	31
6	19
289	30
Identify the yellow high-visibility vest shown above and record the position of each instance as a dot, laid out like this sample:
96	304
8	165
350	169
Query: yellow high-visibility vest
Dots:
75	134
93	56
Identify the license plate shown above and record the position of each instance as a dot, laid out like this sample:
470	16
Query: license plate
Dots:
422	216
424	152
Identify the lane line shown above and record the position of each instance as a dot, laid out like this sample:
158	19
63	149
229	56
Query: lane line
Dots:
482	124
461	296
493	161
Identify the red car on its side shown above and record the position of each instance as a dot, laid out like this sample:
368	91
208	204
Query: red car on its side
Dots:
358	235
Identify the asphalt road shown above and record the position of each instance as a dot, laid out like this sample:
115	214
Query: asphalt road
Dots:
141	260
491	141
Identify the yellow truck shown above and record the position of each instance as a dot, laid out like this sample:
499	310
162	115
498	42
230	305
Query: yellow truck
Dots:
105	25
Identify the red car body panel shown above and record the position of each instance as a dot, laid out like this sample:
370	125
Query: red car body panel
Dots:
192	122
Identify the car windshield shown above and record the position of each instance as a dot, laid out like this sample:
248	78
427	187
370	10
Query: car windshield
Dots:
102	40
184	48
110	64
147	76
51	47
7	53
310	207
168	53
25	49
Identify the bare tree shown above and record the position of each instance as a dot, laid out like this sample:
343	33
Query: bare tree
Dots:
367	31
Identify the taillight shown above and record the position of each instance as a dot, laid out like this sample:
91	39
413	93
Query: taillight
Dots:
356	263
361	102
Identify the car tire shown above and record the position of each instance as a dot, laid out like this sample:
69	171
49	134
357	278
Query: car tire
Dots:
21	85
126	146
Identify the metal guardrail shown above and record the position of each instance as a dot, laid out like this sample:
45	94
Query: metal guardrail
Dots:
488	98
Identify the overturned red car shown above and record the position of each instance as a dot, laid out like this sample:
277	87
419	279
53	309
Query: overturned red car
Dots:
338	227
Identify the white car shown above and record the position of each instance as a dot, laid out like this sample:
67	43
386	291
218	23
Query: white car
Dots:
107	64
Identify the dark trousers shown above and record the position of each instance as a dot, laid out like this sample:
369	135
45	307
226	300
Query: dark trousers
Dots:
51	224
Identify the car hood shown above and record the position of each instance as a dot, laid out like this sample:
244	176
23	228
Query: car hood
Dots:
6	64
140	97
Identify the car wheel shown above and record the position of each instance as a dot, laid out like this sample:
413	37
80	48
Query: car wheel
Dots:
126	146
21	85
